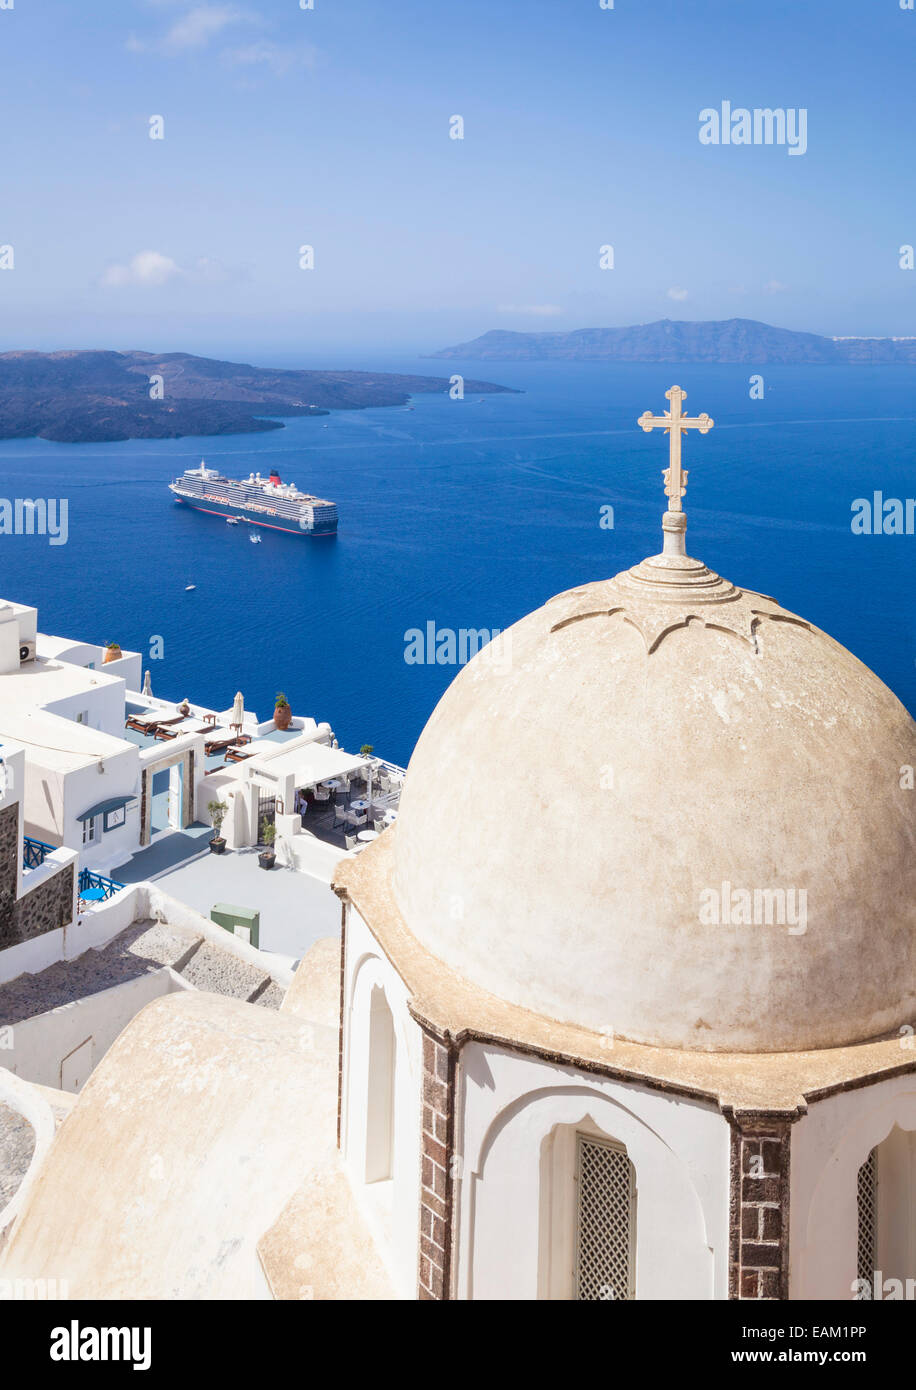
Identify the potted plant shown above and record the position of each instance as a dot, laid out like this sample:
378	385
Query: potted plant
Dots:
267	858
283	712
112	652
366	750
218	813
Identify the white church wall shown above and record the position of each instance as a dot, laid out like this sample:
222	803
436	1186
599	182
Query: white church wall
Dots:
510	1108
391	1205
829	1145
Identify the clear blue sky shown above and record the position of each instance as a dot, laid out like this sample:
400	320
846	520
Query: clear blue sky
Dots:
331	127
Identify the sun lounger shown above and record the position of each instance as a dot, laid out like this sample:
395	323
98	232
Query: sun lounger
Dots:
187	726
150	724
219	745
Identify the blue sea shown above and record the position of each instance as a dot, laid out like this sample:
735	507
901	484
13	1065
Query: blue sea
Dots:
470	514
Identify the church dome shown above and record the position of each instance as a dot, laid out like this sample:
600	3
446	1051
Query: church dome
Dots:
669	810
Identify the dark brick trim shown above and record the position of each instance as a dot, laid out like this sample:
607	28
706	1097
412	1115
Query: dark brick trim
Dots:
758	1209
437	1150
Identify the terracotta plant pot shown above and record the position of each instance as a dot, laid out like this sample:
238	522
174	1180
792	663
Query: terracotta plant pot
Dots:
283	716
112	653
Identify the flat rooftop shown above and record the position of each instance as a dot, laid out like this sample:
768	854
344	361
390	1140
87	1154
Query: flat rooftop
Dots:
54	741
297	906
38	682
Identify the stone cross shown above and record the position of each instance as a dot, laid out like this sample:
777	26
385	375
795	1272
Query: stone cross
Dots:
674	423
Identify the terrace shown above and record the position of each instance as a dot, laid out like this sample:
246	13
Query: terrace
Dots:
297	905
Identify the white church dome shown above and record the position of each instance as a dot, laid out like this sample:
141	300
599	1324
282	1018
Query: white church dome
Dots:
669	810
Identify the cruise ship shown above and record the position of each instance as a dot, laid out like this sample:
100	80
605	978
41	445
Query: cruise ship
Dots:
263	501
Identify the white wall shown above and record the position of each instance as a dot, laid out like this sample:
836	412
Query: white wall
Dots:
41	1043
829	1145
391	1207
102	699
85	787
509	1109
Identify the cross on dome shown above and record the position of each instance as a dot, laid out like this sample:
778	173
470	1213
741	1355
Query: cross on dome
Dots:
674	424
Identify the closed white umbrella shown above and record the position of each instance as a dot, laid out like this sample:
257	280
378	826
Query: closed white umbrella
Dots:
147	685
238	711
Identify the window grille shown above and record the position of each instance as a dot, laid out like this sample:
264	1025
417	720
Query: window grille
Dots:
606	1221
867	1261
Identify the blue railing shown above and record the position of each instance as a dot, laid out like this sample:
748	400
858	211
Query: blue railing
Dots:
96	888
34	852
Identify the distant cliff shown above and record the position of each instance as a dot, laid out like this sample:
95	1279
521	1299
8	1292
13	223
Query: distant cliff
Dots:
725	340
87	397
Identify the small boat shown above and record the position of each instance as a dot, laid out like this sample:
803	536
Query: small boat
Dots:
189	587
232	521
255	538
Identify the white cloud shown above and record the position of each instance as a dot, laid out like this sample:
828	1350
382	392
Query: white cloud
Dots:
152	268
279	58
195	29
540	311
199	26
146	268
675	293
775	287
213	272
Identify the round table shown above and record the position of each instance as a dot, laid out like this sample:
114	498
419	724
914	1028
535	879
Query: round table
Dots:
360	805
335	785
391	816
367	835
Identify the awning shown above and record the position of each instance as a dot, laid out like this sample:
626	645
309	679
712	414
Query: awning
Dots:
313	763
114	803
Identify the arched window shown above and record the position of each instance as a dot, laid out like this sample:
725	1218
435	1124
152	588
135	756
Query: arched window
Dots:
380	1097
587	1216
886	1191
605	1220
867	1256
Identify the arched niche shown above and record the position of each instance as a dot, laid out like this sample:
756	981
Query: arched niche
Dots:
371	1077
826	1223
520	1187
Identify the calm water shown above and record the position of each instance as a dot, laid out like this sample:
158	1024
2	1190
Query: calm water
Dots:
470	515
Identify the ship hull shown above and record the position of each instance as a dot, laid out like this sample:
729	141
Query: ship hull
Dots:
255	517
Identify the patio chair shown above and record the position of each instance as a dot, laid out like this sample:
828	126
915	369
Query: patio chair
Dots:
351	841
322	793
378	825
